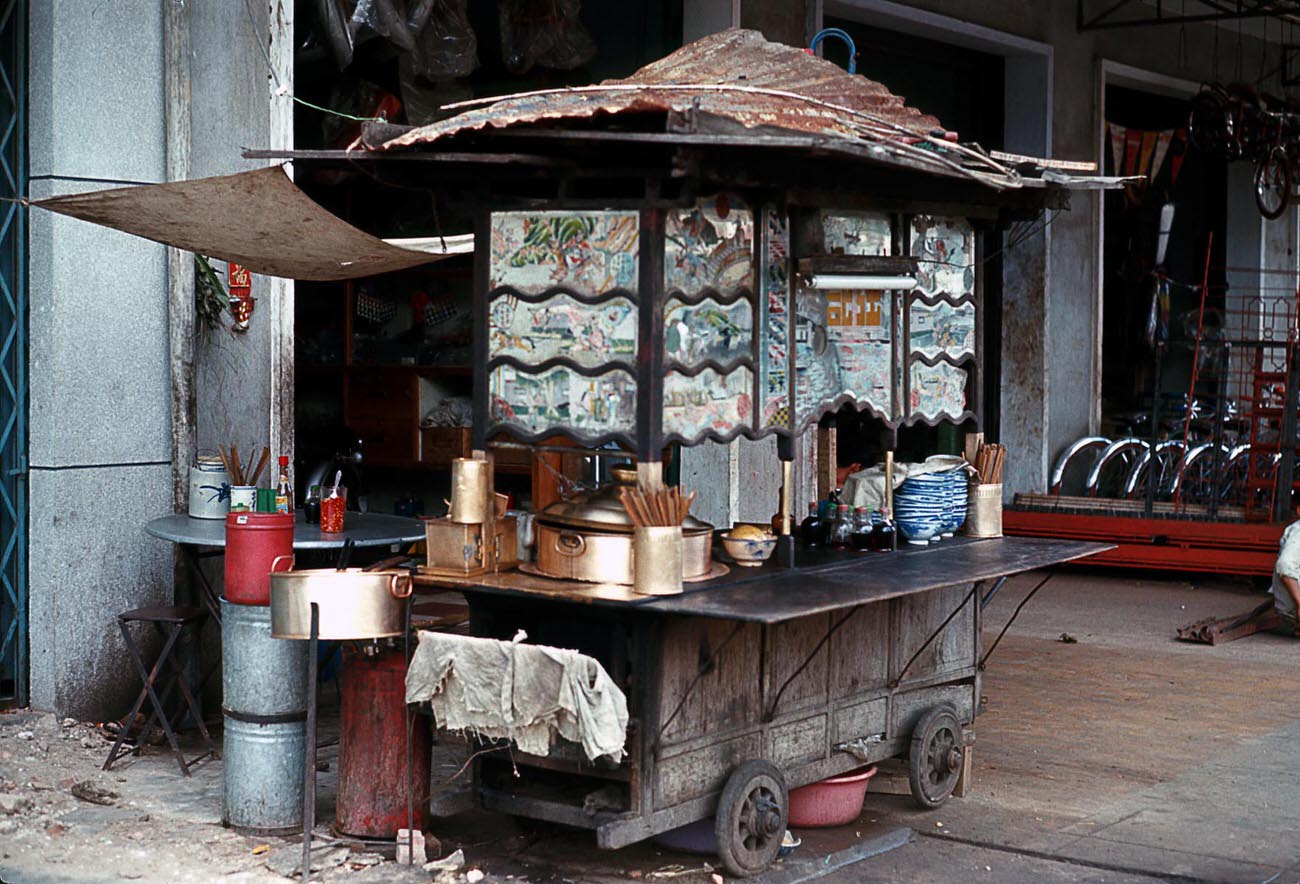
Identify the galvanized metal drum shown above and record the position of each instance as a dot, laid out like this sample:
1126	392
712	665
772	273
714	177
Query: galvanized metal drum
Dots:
260	675
262	767
264	686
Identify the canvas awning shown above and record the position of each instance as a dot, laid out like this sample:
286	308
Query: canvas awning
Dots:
259	219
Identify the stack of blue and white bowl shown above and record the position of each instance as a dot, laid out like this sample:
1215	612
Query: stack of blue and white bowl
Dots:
931	506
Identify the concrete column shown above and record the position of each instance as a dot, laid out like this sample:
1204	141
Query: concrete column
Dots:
100	392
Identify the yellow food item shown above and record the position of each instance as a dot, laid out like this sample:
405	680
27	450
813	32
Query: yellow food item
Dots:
748	532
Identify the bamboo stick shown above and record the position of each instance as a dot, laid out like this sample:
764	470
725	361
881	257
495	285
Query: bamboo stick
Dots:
261	463
234	462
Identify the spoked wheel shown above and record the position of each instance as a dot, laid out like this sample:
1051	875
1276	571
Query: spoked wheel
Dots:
751	819
1273	184
936	759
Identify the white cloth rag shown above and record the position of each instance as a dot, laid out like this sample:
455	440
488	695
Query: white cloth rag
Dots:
525	693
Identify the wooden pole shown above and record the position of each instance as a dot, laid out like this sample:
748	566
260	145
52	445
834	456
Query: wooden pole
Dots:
180	264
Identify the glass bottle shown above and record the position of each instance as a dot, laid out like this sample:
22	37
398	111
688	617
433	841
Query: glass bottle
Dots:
841	536
861	529
283	493
311	506
776	517
810	531
885	534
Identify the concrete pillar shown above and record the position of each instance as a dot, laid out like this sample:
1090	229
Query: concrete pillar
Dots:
100	393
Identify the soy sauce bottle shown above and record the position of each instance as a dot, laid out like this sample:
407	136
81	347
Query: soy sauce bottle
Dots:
862	529
311	506
884	536
810	530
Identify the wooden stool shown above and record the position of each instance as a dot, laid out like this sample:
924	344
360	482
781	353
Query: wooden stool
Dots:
170	621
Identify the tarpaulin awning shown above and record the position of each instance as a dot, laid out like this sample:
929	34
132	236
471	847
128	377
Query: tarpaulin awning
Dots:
260	220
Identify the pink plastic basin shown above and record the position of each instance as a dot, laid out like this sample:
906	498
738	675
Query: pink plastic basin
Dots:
833	802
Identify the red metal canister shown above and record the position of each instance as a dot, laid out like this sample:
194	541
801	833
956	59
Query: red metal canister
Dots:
372	750
253	542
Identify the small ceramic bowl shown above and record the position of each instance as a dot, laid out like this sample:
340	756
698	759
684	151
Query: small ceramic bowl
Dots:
749	552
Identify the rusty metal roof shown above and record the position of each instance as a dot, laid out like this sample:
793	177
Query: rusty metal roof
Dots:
738	76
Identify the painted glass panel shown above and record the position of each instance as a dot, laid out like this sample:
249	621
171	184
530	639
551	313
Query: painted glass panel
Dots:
709	247
587	252
774	306
589	334
560	398
707	402
696	333
941	328
843	348
858	324
857	233
937	390
945	254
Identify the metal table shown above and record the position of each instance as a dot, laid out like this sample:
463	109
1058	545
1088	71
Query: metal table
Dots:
759	680
199	539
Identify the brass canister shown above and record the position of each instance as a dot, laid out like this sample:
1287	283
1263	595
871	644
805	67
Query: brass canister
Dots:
657	560
469	491
984	511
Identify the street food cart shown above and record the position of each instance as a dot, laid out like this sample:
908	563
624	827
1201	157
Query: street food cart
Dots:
710	288
739	240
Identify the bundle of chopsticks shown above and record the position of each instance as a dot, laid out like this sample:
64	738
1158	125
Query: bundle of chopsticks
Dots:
988	463
655	507
239	473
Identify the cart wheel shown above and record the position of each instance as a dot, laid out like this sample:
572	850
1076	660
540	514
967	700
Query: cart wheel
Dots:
751	819
936	758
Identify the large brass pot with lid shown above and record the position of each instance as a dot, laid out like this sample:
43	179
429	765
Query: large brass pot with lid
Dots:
589	537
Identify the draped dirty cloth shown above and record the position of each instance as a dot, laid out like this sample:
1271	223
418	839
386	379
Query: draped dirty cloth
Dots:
526	693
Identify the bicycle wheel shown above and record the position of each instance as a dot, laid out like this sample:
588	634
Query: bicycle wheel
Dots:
1273	184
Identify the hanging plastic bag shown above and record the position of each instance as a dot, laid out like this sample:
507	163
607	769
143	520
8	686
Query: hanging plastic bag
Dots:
387	18
445	45
336	23
547	33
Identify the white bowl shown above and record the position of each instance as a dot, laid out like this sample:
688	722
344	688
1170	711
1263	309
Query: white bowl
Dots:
749	553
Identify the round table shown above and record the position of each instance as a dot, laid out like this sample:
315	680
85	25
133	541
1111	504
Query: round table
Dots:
191	536
364	529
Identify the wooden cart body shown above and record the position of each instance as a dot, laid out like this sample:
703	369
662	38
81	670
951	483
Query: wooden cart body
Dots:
775	664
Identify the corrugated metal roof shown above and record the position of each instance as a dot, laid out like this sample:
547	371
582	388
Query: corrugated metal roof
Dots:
739	76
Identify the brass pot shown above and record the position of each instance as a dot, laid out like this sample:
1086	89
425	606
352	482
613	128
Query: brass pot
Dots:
353	604
589	538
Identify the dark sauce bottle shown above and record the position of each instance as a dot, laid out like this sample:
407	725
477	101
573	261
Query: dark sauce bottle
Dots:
810	531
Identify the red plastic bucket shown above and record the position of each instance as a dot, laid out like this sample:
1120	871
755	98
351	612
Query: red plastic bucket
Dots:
253	542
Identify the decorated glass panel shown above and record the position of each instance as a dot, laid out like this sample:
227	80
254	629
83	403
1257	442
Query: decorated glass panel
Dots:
857	233
709	247
938	390
843	350
774	307
560	398
945	252
707	403
942	328
708	331
859	325
561	326
586	252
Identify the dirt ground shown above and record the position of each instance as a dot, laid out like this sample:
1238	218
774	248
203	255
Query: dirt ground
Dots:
1107	751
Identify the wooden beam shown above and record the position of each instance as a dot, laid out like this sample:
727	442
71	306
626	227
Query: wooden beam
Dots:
180	264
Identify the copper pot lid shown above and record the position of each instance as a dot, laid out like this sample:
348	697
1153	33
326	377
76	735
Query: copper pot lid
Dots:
601	510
